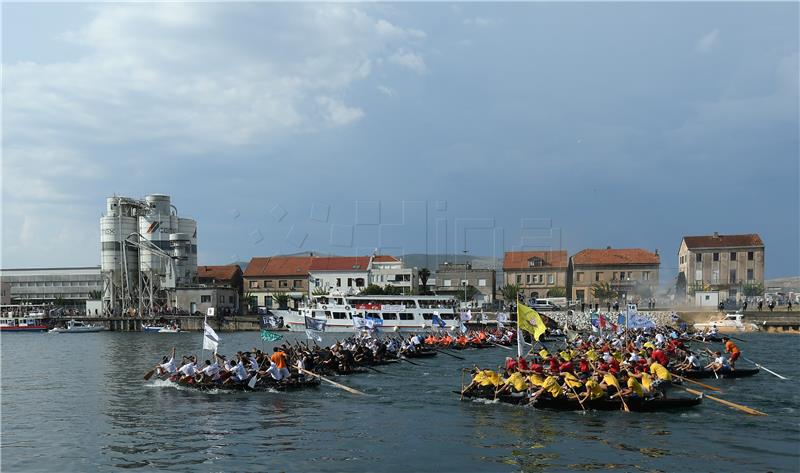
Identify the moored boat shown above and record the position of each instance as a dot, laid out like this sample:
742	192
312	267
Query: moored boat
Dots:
76	326
22	324
729	323
161	329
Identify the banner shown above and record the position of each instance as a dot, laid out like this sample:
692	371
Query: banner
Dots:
530	321
466	316
393	307
368	306
438	322
317	325
315	336
268	336
267	321
210	338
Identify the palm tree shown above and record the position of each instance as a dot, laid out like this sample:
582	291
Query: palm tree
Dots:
282	300
319	291
424	274
603	291
510	292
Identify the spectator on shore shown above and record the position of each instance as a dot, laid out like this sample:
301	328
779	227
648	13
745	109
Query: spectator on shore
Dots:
789	305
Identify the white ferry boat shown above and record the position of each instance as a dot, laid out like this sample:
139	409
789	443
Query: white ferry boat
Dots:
389	313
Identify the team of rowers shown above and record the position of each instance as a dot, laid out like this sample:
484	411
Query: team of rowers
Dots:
637	363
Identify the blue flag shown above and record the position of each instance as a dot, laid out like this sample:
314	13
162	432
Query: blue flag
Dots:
438	321
315	324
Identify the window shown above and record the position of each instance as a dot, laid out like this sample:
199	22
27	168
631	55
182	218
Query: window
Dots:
205	298
551	279
579	277
297	283
733	256
597	276
535	262
253	284
427	316
338	282
359	282
732	275
464	282
750	275
528	278
580	294
481	282
698	274
283	283
622	275
231	299
645	275
519	279
698	257
339	315
749	256
268	283
447	316
448	283
682	259
405	316
715	276
389	316
328	314
349	282
716	257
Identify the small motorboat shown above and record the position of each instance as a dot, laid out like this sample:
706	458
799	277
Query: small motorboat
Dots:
161	328
76	326
729	323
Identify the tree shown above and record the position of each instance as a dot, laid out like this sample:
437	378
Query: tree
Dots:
471	291
510	292
753	289
557	292
603	291
390	290
59	301
319	291
282	300
424	274
373	290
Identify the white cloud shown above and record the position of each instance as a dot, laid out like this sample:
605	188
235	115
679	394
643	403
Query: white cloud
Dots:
479	21
707	42
386	90
409	60
338	113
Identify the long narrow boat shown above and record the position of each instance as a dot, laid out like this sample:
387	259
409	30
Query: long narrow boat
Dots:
635	404
263	384
723	373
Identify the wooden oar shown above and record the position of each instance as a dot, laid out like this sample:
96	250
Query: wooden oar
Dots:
409	361
695	382
334	383
501	346
765	369
449	354
739	407
150	373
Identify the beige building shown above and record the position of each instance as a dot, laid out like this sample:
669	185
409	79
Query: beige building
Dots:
451	279
721	263
630	272
266	277
536	272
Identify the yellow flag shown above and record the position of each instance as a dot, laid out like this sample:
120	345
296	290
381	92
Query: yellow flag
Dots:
611	380
530	321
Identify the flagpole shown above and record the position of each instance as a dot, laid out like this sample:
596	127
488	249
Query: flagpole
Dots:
205	321
519	333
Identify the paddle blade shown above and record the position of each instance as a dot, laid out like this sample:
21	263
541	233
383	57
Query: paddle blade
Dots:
149	374
252	383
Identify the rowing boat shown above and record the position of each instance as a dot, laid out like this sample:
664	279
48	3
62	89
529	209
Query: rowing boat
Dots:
263	384
636	404
723	373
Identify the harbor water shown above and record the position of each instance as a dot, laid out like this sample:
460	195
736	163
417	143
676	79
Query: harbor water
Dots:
77	402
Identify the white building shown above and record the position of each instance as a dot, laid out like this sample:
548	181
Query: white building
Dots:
387	270
346	274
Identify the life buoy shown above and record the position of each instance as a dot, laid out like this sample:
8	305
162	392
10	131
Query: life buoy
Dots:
324	307
347	307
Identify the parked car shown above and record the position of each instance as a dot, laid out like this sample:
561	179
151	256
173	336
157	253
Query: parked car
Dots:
543	305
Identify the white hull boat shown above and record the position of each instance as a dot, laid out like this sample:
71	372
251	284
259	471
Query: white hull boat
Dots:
74	326
729	323
160	329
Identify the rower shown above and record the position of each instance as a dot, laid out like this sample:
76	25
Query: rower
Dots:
719	363
662	375
279	358
188	370
167	366
211	370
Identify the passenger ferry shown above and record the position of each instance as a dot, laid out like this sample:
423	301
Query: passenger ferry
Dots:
389	313
33	322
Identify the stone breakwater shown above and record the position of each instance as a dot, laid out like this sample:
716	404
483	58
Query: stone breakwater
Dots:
582	320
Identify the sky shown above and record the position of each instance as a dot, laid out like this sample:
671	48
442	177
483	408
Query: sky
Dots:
406	128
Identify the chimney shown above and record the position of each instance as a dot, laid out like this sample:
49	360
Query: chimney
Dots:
656	251
608	247
716	235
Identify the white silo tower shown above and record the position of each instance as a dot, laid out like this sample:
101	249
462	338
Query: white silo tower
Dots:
119	263
189	227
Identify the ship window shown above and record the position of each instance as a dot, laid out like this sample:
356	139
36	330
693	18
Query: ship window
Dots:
427	316
405	316
389	316
328	314
374	315
448	316
339	315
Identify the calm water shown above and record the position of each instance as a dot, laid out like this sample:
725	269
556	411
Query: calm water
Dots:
77	402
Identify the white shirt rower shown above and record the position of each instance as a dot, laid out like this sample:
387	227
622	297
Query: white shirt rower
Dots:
239	371
169	366
212	371
188	369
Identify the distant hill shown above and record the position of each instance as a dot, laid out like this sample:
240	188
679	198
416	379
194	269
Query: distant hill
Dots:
790	283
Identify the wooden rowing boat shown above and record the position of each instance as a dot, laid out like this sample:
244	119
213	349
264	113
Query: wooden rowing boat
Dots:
263	384
635	404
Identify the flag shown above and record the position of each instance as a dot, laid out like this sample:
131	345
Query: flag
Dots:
602	321
268	336
466	316
315	324
610	380
210	338
359	322
501	319
530	321
436	320
463	327
312	335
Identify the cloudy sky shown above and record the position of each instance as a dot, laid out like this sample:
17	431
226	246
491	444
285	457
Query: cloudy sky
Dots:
409	128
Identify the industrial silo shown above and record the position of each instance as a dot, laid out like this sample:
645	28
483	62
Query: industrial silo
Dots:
120	222
180	248
189	227
155	226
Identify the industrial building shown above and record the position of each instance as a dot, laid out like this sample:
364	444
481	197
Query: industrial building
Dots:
37	286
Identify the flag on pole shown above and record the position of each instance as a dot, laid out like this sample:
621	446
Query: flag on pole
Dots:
315	336
316	325
530	321
268	336
437	321
210	338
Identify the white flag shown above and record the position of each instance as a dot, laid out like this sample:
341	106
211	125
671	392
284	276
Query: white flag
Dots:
312	335
210	338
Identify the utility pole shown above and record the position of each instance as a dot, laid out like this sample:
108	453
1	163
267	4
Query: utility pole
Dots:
466	281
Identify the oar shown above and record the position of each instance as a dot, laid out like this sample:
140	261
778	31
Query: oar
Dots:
745	409
409	361
757	366
696	382
334	383
375	370
501	346
449	354
150	373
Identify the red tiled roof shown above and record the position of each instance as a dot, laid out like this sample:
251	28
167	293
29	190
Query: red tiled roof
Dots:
519	259
615	256
220	273
340	263
279	266
385	259
723	241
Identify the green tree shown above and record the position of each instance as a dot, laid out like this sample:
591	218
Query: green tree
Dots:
282	300
390	290
509	292
471	291
557	292
319	291
680	285
373	290
424	275
603	291
753	289
59	301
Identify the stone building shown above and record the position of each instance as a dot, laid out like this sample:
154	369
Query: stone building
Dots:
630	272
451	278
537	273
230	275
266	277
721	263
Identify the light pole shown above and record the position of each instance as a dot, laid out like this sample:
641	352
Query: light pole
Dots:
465	275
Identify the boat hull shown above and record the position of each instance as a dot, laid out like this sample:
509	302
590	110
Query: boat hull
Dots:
30	328
564	404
